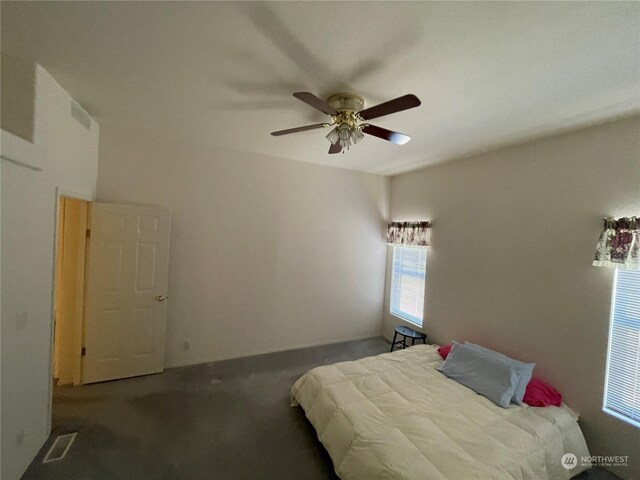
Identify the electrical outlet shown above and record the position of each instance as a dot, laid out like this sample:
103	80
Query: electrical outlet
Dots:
186	345
20	438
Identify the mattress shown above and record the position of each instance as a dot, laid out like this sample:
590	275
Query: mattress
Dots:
394	416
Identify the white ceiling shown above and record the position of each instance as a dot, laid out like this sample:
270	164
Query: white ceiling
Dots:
222	73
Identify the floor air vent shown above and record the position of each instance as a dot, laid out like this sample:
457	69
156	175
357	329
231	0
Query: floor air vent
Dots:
60	447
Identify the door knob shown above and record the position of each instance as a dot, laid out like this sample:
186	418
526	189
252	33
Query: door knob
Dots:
161	298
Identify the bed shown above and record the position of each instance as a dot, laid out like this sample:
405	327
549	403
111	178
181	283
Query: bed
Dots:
394	416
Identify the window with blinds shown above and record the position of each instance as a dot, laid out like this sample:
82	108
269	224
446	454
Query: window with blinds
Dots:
622	383
407	283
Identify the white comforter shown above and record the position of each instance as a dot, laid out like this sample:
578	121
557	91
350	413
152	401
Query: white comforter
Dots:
394	416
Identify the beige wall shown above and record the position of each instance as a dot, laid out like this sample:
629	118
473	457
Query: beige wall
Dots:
68	155
266	254
514	232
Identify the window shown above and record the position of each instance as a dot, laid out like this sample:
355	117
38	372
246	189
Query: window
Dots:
622	383
407	283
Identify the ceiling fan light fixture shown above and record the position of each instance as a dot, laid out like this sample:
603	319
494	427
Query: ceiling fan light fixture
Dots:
345	143
356	135
344	132
345	135
332	136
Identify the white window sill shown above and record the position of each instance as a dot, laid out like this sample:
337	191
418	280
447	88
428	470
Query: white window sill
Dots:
419	325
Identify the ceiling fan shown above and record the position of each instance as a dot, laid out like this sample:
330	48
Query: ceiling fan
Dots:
349	118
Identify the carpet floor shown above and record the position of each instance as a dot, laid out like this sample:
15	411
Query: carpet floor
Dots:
227	420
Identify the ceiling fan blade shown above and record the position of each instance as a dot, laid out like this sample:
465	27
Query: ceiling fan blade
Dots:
335	148
389	135
392	106
315	102
298	129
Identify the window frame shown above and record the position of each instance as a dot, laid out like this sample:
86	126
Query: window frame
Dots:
605	407
407	317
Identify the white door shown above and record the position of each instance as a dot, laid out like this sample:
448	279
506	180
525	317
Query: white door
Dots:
126	291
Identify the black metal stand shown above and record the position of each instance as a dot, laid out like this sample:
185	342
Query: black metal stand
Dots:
406	332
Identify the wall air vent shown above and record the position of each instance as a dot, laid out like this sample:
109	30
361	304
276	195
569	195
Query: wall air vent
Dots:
80	115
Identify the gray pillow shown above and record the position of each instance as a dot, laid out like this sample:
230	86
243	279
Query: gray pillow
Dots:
482	372
525	371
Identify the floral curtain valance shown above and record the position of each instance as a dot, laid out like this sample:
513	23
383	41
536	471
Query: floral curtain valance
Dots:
408	234
619	244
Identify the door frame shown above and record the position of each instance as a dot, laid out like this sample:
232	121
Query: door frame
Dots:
60	192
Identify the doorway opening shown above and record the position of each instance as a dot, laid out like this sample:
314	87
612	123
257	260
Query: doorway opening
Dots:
68	315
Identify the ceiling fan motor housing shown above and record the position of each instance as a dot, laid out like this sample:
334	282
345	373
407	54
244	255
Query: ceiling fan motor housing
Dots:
346	102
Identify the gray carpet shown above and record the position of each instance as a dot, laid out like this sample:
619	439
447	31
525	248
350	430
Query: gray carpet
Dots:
228	420
220	421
